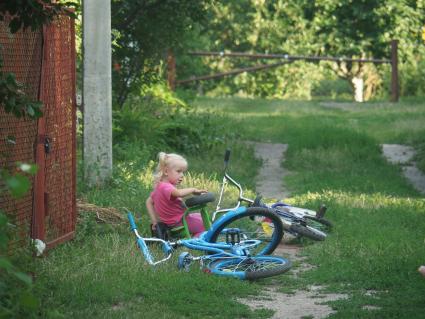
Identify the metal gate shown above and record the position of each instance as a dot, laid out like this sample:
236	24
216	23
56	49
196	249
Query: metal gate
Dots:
44	61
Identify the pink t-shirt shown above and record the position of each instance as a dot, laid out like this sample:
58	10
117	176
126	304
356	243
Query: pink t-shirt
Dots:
169	208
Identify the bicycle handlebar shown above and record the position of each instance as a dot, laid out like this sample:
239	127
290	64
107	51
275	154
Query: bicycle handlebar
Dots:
226	157
131	220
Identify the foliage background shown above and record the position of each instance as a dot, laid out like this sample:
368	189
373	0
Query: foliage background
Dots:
144	31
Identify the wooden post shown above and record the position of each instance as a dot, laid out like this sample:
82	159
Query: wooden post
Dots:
395	90
38	229
171	70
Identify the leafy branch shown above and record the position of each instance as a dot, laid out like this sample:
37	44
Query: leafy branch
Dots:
33	13
23	14
14	100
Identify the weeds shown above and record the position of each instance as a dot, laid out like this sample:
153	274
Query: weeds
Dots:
334	155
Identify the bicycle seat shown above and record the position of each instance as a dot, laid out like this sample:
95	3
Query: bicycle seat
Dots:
166	232
200	200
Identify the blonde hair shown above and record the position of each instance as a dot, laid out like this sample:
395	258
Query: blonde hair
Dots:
166	160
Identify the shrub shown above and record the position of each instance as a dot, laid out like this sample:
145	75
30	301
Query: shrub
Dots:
161	122
333	88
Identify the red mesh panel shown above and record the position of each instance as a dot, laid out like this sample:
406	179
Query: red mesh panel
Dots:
45	63
58	95
21	54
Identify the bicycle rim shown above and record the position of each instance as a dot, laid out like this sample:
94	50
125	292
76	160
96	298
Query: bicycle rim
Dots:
250	268
309	232
318	223
254	223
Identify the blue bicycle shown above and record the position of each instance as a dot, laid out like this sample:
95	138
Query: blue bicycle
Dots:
232	257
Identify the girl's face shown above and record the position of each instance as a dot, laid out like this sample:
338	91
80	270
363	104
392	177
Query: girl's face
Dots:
174	173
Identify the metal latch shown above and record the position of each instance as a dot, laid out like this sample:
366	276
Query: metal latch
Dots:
47	145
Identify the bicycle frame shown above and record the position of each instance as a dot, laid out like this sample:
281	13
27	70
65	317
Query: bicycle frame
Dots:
293	211
241	198
226	178
218	251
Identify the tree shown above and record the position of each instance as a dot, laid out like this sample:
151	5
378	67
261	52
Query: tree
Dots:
364	29
262	27
351	29
144	30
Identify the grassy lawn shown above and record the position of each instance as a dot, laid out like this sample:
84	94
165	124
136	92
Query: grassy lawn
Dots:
334	156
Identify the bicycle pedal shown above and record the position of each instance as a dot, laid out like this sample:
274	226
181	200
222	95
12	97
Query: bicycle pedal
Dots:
184	261
249	261
233	236
321	212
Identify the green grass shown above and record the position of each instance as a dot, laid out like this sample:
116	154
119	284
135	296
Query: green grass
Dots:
334	156
104	276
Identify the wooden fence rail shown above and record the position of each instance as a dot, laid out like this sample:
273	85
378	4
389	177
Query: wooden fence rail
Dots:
287	59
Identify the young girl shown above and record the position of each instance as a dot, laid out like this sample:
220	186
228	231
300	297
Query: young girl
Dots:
166	201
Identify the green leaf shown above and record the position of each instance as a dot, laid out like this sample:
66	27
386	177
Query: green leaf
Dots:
30	111
11	102
18	185
23	277
3	220
15	25
10	82
5	264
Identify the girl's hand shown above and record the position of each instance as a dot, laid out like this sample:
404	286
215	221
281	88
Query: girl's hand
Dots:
199	191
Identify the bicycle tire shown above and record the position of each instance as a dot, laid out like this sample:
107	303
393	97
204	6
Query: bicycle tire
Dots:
312	221
251	224
307	231
250	268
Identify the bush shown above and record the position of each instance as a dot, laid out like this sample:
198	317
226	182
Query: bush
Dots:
159	121
332	87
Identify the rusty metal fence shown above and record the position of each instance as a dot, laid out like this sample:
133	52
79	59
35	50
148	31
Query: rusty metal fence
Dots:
44	61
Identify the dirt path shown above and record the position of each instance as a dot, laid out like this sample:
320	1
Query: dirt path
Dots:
269	181
309	303
303	303
403	155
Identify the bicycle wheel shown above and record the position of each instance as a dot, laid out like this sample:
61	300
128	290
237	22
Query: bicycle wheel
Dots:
308	232
250	268
318	223
254	223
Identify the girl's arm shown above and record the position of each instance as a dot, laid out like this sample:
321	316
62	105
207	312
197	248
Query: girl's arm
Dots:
183	192
151	212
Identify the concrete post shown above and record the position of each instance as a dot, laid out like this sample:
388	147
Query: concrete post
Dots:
97	91
358	84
